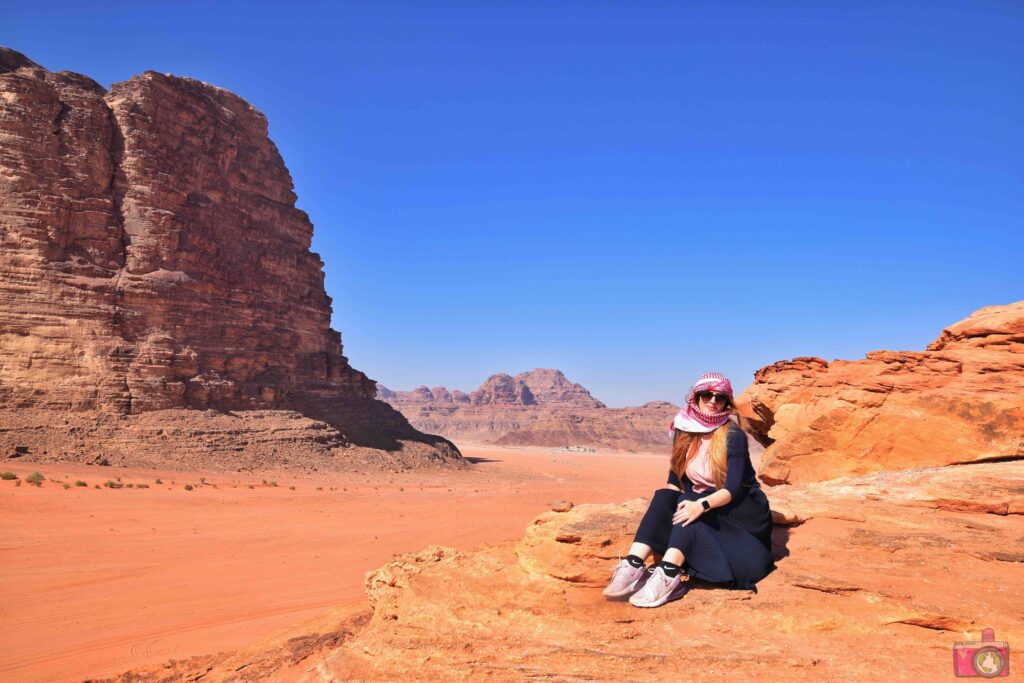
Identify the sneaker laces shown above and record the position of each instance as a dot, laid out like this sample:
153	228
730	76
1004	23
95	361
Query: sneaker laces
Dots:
620	564
649	587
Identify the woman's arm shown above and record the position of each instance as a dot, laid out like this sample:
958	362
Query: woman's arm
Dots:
689	510
737	457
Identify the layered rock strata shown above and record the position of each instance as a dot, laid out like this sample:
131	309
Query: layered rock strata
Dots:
959	401
152	258
877	576
537	408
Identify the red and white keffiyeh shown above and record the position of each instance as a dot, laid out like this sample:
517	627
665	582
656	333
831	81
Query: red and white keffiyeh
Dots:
691	418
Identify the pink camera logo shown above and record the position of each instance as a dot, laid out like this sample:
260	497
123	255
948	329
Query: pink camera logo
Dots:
987	657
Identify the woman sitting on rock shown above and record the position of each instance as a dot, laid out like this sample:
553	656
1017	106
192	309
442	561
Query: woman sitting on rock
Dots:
718	527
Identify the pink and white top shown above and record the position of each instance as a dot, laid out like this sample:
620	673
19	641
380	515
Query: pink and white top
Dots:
699	470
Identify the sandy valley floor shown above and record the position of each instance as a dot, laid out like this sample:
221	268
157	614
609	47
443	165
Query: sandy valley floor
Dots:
97	581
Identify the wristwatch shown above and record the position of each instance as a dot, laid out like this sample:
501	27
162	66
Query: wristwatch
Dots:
705	504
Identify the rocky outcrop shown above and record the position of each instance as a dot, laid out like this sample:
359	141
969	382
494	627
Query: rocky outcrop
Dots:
537	408
502	389
637	428
552	388
880	574
152	258
959	401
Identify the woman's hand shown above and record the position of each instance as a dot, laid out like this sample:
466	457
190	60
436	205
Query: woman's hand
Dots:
687	512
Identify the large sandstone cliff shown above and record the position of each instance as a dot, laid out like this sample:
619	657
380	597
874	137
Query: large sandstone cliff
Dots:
960	401
537	408
152	258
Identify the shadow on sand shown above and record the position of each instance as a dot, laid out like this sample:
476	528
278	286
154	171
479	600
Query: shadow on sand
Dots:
370	423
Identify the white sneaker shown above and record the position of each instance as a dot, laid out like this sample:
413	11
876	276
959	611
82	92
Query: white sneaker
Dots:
625	579
658	590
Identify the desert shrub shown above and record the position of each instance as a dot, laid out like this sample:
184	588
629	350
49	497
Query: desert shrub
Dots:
188	487
67	486
80	483
158	481
291	488
141	486
111	484
7	476
36	478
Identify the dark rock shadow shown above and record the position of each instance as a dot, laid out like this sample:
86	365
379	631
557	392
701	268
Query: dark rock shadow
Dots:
477	461
370	423
780	542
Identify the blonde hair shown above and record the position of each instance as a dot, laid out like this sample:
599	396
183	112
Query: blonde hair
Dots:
685	446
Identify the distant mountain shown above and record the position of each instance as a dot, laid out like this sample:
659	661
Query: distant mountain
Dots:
537	408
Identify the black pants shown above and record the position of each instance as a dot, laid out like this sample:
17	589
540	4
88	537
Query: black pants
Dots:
697	541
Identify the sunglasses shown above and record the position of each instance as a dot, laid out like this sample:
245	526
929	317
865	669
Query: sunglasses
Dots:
709	395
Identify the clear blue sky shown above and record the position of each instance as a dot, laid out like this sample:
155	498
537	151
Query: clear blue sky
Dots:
632	192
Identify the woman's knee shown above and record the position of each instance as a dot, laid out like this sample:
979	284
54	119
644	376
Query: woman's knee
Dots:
684	537
666	494
663	501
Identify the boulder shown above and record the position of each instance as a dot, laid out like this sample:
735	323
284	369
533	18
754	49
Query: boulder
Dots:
959	401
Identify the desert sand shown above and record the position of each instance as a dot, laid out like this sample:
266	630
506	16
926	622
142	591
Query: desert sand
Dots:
94	582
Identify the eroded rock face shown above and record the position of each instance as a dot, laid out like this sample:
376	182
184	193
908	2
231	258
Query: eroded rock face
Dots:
905	562
552	388
152	257
503	389
961	400
537	408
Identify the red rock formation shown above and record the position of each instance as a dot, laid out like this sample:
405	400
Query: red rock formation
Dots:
503	389
878	576
960	401
383	393
152	257
552	388
537	408
638	428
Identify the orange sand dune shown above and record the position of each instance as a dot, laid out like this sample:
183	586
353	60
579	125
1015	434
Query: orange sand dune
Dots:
94	582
